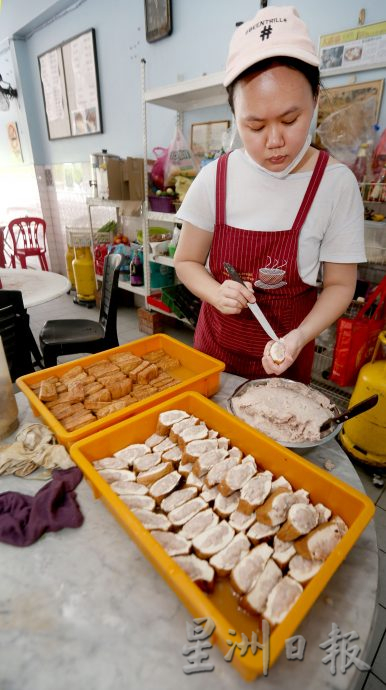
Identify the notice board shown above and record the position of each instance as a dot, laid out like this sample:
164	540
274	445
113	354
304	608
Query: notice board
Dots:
70	85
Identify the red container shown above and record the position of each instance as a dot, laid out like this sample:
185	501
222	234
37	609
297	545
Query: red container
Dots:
156	301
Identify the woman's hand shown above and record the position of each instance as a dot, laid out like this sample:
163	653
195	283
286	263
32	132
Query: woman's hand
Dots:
293	343
232	297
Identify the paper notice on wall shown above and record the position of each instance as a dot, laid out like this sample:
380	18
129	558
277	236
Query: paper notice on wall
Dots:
352	50
53	94
82	61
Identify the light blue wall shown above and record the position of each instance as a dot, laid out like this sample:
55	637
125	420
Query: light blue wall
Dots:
198	44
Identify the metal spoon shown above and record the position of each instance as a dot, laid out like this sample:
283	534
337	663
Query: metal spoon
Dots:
353	411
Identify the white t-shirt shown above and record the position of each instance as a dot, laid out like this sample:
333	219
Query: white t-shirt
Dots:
333	230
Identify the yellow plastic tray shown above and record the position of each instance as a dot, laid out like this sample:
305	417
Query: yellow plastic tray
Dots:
198	372
355	508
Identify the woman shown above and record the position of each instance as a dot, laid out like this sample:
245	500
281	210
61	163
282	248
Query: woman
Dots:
277	210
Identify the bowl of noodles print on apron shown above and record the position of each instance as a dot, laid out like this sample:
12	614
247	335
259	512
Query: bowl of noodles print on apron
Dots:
272	275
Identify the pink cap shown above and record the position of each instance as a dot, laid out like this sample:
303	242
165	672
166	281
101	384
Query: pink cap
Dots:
273	32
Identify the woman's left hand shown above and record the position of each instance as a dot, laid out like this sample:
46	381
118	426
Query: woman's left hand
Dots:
293	344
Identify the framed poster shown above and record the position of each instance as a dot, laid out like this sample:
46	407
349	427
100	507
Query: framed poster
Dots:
331	100
70	83
206	137
361	48
54	94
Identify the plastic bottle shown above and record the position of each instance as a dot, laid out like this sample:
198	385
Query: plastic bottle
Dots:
378	189
70	256
136	270
174	241
8	408
84	275
360	165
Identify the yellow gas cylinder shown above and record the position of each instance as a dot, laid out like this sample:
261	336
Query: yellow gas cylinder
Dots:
70	256
364	437
84	275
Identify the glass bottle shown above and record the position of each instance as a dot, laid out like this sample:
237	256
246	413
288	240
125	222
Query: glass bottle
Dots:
360	165
8	408
136	270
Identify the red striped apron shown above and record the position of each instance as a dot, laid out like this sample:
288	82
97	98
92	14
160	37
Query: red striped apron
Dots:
238	339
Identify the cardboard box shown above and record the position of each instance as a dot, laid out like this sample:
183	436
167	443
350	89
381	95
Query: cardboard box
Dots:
110	180
133	179
149	322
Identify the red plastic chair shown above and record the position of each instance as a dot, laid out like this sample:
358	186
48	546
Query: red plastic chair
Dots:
29	239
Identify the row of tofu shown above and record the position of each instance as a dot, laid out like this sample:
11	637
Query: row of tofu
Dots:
220	514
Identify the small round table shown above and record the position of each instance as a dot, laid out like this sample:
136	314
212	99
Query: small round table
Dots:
37	286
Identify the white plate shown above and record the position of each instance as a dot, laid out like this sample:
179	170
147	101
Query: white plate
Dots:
327	436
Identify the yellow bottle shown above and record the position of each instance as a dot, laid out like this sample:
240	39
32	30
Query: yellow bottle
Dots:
84	275
70	256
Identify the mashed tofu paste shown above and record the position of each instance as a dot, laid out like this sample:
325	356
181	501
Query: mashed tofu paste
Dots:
287	411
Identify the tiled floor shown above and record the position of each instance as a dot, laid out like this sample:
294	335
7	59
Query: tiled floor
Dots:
64	307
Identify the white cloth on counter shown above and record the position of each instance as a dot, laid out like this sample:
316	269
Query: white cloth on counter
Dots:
35	446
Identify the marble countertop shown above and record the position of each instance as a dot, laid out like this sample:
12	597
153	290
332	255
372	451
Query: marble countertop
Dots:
83	608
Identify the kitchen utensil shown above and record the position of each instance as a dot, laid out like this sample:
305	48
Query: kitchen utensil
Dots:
256	311
353	411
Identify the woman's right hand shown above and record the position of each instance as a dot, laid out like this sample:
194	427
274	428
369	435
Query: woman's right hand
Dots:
232	297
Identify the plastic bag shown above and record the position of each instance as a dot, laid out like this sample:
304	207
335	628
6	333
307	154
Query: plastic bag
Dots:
179	161
356	338
379	156
342	132
158	167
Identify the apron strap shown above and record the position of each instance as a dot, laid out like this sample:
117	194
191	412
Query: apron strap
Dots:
221	178
311	191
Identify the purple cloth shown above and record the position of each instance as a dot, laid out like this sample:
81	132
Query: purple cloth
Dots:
23	518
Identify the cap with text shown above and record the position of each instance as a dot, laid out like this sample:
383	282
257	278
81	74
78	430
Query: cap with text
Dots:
273	32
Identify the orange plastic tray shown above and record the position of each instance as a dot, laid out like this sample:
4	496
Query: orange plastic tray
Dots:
198	372
355	508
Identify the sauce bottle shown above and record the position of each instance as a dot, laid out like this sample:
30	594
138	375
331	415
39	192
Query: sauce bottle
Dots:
136	270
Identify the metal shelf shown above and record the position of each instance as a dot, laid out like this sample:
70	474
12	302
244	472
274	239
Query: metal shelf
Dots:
166	217
125	285
161	259
172	314
94	201
202	92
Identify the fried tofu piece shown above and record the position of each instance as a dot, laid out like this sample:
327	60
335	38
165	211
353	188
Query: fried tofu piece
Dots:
122	357
102	368
140	391
103	395
168	362
111	378
134	372
145	375
110	408
92	388
76	391
78	420
69	410
47	391
118	389
71	373
62	398
155	355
